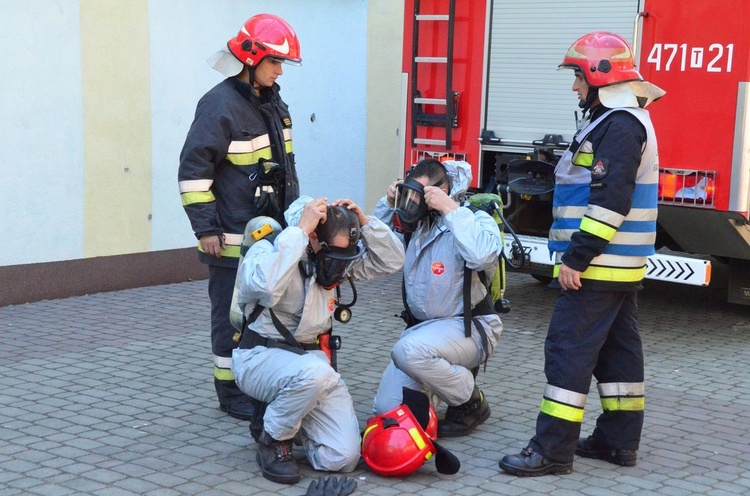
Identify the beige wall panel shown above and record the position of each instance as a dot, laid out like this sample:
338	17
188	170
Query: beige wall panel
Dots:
385	34
117	126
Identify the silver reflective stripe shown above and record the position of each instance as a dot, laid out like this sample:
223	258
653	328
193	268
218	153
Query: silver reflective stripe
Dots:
233	239
561	395
249	146
605	215
192	185
609	389
223	362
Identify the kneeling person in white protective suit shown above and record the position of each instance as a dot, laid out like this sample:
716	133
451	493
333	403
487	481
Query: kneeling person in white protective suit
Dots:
287	291
443	346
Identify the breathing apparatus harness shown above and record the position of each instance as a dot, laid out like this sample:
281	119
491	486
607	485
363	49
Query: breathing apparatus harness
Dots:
410	210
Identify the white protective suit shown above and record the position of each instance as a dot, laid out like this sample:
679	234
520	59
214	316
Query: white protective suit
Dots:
435	355
304	393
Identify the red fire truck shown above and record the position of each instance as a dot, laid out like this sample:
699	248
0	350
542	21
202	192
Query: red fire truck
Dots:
483	87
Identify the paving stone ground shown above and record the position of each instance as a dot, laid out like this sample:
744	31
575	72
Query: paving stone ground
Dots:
111	395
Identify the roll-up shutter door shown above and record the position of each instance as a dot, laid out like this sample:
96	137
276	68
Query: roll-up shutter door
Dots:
527	97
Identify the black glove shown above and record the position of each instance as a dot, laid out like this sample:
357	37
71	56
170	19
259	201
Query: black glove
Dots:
331	486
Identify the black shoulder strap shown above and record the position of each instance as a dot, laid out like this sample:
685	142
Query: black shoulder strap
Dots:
407	238
285	333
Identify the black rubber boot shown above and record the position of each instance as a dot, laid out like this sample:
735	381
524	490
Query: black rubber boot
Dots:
461	420
233	401
529	463
275	460
594	447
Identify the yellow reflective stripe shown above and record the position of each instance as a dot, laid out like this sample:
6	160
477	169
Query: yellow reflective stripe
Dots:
624	404
223	374
609	273
195	185
249	146
249	158
621	388
564	412
230	251
414	433
583	159
288	146
614	274
197	197
364	436
598	229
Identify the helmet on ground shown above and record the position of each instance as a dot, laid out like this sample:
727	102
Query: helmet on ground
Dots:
603	58
263	35
394	444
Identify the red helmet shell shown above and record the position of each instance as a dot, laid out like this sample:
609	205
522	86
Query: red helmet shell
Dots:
432	425
265	35
603	58
394	444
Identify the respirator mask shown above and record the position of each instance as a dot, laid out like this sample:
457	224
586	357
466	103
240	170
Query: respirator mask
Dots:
409	204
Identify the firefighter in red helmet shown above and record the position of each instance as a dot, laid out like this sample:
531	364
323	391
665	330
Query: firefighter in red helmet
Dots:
603	230
237	163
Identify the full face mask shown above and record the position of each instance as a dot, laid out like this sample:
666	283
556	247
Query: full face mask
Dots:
332	264
410	205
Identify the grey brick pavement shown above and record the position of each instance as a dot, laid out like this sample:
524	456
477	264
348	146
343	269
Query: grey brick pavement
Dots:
111	395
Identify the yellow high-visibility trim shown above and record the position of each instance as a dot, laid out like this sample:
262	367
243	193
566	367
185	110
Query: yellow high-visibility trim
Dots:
288	146
609	274
228	251
364	436
624	404
597	228
564	412
249	158
223	374
414	433
197	197
583	159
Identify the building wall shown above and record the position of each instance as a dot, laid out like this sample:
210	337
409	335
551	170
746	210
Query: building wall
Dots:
97	98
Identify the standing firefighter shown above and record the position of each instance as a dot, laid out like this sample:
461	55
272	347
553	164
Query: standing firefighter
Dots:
604	229
236	164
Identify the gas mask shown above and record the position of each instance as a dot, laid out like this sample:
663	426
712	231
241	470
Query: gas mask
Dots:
409	205
332	264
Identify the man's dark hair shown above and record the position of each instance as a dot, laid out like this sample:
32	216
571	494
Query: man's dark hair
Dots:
433	170
339	220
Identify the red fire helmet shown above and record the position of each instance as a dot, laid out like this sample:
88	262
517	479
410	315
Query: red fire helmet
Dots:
603	58
394	444
265	35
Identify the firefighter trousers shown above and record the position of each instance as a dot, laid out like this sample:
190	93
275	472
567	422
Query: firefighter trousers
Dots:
591	333
220	289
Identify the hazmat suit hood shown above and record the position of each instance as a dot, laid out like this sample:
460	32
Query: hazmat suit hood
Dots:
460	173
294	212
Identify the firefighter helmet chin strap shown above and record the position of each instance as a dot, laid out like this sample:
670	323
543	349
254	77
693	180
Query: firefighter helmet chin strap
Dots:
591	96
